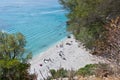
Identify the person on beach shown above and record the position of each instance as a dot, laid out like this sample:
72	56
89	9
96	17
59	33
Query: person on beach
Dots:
40	65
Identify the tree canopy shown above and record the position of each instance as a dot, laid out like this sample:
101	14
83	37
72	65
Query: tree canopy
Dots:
96	23
13	64
87	17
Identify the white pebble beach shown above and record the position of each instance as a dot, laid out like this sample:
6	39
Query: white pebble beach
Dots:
67	53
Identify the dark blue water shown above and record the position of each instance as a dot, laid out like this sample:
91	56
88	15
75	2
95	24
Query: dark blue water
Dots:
41	21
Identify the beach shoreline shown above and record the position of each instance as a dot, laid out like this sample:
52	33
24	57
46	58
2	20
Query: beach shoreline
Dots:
45	49
67	53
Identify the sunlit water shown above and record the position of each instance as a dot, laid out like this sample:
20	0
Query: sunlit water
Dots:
41	21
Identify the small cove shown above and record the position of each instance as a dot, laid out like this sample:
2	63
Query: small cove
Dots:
41	21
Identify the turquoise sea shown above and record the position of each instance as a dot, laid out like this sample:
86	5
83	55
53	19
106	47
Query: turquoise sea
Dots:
41	21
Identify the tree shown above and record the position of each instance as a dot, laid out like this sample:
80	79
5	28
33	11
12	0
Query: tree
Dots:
13	63
87	17
110	46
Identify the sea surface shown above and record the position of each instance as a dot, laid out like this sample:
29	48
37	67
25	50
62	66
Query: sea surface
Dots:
41	21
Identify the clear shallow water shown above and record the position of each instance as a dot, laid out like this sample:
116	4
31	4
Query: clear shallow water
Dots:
41	21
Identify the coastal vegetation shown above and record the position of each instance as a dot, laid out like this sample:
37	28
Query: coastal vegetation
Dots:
86	18
92	22
13	63
99	71
97	25
59	73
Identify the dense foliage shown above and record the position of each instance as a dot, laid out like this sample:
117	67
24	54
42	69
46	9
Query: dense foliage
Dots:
58	73
13	63
96	23
110	45
87	17
96	70
87	70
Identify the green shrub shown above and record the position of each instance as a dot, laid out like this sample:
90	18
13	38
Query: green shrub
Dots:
59	73
87	70
62	72
53	73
